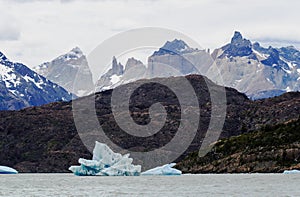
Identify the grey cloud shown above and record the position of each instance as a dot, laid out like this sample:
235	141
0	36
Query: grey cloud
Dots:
9	34
9	29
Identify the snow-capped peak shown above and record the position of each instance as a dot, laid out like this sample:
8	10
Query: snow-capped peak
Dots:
22	87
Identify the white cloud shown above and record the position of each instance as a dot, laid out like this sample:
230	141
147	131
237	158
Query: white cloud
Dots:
40	30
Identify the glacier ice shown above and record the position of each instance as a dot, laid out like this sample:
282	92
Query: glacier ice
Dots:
106	163
291	172
7	170
163	170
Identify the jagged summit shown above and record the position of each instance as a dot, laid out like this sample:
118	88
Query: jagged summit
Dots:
117	68
174	47
238	47
132	62
236	37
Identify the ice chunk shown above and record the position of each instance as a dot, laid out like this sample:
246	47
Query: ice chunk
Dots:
106	163
7	170
104	154
163	170
291	172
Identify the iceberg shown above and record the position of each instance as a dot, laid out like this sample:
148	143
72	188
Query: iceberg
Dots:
291	172
7	170
163	170
106	163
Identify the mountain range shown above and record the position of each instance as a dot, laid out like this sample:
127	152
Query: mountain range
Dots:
248	67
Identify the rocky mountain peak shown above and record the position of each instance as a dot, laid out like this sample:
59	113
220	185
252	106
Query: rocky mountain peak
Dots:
175	47
131	62
117	68
238	47
237	37
75	53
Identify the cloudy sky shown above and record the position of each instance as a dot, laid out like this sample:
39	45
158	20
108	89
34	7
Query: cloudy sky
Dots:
34	31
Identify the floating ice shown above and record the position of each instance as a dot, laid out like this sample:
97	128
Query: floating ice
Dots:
7	170
163	170
106	163
291	172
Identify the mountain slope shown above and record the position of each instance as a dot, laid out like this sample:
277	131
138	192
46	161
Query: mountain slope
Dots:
68	69
21	87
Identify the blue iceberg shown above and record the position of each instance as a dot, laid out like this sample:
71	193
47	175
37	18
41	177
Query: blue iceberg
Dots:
106	163
7	170
163	170
291	172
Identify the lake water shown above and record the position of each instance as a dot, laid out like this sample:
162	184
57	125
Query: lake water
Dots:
186	185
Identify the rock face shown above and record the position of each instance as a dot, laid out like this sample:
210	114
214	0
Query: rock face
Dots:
45	139
68	69
21	87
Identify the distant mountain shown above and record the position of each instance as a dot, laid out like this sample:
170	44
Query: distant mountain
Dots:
21	87
68	69
257	71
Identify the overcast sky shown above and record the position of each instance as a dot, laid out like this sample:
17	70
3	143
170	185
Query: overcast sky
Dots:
35	31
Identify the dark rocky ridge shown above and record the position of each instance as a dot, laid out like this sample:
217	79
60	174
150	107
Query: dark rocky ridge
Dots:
45	139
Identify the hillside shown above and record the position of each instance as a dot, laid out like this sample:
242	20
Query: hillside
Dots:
270	149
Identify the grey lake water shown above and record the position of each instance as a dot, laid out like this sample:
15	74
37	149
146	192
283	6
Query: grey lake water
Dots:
185	185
